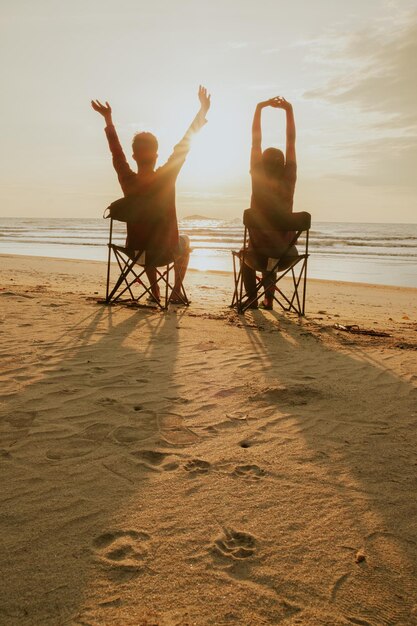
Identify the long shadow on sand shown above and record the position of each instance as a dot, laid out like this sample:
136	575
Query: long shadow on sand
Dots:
76	446
83	446
344	427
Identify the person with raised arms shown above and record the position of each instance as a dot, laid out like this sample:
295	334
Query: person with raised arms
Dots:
158	185
273	185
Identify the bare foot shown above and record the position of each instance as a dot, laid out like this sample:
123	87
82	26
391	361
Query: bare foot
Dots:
177	296
268	304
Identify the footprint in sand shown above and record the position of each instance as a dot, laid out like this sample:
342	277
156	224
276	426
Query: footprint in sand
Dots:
154	460
235	545
145	426
173	431
70	448
295	395
129	434
197	466
251	472
123	552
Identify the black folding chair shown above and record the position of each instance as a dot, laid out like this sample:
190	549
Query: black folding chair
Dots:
275	262
132	261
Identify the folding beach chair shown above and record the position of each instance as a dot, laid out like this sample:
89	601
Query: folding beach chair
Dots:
275	261
146	249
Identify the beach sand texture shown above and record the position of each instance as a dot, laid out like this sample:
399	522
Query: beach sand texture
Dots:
200	467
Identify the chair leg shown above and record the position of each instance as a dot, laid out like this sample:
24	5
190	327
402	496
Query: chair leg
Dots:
122	270
295	302
242	263
109	260
262	287
301	277
170	289
127	269
237	277
259	293
295	294
305	275
234	298
166	287
184	296
290	303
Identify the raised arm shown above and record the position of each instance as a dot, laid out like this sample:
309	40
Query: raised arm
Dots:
177	158
290	156
282	103
119	160
256	152
200	119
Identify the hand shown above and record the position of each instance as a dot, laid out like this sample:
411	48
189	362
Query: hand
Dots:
103	109
204	98
279	103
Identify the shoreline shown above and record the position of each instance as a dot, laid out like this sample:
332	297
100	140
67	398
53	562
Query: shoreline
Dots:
224	273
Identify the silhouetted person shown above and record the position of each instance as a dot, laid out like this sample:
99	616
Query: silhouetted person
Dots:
156	184
273	185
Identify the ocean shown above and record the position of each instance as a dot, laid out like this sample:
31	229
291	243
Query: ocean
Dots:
372	253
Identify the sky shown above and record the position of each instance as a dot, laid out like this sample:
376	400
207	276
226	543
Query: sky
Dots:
349	69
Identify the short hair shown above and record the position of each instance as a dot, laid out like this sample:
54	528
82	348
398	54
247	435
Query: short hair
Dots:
145	139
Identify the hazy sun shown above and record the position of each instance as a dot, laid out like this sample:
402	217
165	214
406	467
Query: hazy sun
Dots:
219	152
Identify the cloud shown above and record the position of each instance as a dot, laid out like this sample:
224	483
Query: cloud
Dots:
377	72
384	162
372	73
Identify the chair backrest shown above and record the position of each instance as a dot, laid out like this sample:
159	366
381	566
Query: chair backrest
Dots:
273	235
134	209
149	227
254	219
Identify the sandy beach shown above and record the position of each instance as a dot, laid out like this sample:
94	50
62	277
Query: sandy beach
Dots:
198	467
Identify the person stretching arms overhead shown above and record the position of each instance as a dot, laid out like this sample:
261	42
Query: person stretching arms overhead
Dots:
157	184
273	185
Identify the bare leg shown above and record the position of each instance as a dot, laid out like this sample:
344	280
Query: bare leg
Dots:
180	269
269	283
151	274
249	280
